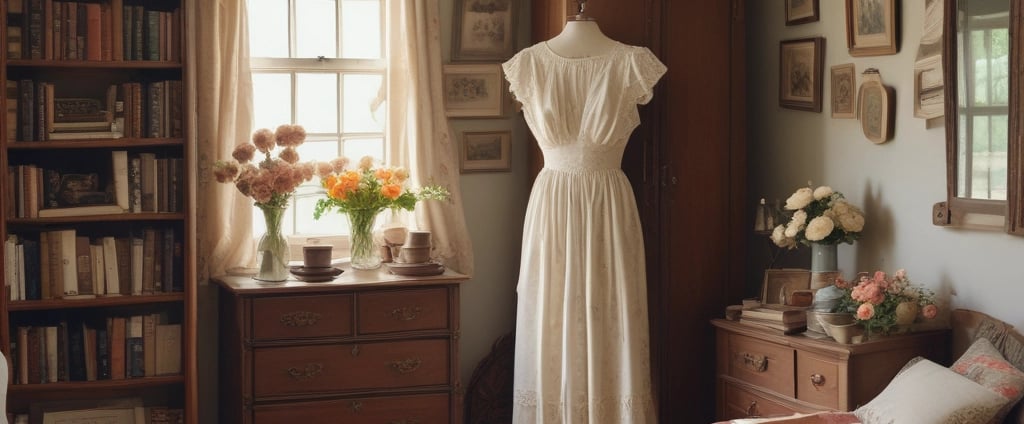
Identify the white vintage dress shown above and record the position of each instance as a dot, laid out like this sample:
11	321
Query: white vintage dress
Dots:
582	344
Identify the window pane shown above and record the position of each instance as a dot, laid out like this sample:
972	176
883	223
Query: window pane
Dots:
316	102
321	151
356	148
360	29
361	92
272	99
315	28
268	28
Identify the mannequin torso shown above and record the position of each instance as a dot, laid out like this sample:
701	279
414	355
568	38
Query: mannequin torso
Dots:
581	38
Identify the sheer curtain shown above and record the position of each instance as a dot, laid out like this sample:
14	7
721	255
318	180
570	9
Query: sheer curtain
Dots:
417	132
224	119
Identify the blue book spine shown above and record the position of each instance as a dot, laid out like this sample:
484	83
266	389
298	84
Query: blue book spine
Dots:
102	354
136	358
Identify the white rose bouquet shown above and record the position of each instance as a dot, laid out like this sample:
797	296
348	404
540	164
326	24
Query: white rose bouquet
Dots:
818	216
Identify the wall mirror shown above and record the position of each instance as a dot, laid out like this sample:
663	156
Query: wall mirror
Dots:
982	69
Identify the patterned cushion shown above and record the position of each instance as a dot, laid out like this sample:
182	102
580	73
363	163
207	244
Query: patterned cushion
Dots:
983	364
911	398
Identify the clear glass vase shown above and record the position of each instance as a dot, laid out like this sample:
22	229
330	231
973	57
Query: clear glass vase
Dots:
272	250
363	251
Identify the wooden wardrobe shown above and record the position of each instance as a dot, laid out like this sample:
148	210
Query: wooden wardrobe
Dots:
687	164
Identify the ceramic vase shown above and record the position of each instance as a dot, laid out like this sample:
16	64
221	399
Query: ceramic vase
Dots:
824	265
272	250
364	254
906	314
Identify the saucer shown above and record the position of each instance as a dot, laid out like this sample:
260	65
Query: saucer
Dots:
418	269
315	275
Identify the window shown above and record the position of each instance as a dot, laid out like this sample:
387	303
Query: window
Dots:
320	64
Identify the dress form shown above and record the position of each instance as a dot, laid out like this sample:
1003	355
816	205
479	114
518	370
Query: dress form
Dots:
581	38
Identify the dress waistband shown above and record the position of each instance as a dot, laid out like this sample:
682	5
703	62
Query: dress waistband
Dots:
583	157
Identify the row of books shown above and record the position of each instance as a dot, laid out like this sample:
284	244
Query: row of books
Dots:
139	182
131	109
103	31
59	264
776	318
119	348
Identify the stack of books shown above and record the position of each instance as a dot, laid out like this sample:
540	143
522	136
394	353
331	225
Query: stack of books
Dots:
777	318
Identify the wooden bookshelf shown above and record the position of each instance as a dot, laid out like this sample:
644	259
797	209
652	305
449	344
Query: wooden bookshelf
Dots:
169	213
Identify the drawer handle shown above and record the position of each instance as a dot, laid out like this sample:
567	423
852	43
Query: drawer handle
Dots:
752	411
310	371
757	363
300	319
406	313
817	380
355	351
356	406
406	366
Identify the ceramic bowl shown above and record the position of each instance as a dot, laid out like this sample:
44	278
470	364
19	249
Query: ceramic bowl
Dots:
844	333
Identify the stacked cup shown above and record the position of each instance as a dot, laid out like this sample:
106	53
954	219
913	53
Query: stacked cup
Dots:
416	248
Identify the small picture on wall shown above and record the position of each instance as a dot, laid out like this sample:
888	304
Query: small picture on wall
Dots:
871	27
473	91
484	30
486	151
844	91
800	72
801	11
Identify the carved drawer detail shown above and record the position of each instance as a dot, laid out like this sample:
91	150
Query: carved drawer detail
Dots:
406	310
294	317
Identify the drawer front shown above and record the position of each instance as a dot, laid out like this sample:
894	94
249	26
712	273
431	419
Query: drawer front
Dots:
342	367
761	363
302	316
743	403
421	409
403	310
817	380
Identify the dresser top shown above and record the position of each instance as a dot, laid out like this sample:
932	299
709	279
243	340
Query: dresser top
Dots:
350	279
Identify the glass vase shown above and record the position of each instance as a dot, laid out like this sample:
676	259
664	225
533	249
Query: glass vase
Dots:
272	250
824	265
363	252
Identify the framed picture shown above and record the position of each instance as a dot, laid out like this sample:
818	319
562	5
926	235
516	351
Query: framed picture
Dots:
801	11
484	30
485	151
871	27
780	283
473	91
800	72
844	91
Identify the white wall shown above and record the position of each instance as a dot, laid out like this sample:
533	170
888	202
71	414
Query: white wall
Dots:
495	204
895	183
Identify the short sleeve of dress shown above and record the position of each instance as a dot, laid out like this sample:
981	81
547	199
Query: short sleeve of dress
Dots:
514	73
646	71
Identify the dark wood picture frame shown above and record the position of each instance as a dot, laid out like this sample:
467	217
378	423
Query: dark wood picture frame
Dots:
786	280
872	27
801	11
800	73
485	151
484	30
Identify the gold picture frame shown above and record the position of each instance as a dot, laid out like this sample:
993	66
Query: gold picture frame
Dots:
800	73
780	283
872	27
485	151
844	91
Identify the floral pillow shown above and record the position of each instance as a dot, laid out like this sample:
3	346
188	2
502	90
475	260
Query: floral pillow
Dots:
983	364
911	398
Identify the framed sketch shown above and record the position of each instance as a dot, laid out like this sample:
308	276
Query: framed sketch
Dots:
484	30
872	27
473	90
844	91
800	73
801	11
876	107
780	283
485	151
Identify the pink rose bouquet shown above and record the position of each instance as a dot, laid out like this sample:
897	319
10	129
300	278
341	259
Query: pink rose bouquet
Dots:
271	180
878	301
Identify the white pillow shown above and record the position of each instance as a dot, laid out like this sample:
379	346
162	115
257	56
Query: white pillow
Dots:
930	393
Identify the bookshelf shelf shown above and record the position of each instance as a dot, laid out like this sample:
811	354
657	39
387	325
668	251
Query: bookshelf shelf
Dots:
73	68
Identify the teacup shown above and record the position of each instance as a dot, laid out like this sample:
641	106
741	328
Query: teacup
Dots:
415	255
417	239
317	256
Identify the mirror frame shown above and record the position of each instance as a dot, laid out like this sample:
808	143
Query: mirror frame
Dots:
982	213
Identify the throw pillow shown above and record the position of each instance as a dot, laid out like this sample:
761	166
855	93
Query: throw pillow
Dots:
983	364
911	398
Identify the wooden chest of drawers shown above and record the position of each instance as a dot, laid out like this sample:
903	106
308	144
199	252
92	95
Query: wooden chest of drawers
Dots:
765	374
369	347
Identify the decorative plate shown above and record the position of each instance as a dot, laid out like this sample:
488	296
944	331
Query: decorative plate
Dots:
315	275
